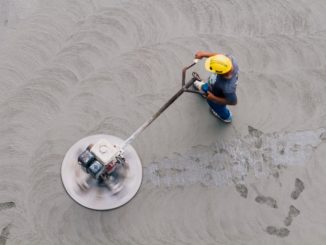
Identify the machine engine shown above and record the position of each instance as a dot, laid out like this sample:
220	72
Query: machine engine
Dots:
105	163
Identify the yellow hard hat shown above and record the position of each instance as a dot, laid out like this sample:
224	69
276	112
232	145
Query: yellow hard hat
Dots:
219	64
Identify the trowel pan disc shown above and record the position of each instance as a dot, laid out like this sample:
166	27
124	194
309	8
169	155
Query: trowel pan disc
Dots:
96	196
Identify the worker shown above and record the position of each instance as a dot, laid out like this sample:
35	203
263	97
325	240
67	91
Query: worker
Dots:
220	88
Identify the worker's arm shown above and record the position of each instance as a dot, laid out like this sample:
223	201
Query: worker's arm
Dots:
204	54
231	99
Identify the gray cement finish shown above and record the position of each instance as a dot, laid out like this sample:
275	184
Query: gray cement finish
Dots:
70	69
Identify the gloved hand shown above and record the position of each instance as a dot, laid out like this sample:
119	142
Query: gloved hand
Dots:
197	85
201	86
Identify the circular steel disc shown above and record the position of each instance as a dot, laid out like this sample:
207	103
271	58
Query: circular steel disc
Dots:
99	197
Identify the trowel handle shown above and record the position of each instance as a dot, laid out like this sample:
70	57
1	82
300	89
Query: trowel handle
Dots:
185	69
166	105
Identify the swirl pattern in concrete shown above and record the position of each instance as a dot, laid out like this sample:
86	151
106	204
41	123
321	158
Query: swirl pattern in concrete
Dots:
69	69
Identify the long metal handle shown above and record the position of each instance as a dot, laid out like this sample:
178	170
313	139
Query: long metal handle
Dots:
185	69
185	86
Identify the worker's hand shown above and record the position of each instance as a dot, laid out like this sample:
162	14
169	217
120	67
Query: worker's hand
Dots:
222	101
200	54
204	95
209	95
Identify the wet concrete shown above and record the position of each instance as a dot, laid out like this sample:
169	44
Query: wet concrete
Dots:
69	69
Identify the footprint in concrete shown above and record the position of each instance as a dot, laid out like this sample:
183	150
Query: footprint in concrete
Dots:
6	205
323	136
242	189
254	132
298	188
5	234
293	212
280	232
269	201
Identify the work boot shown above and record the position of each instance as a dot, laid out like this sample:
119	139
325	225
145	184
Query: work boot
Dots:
227	120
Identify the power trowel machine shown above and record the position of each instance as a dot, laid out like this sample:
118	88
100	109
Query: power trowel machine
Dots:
102	171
